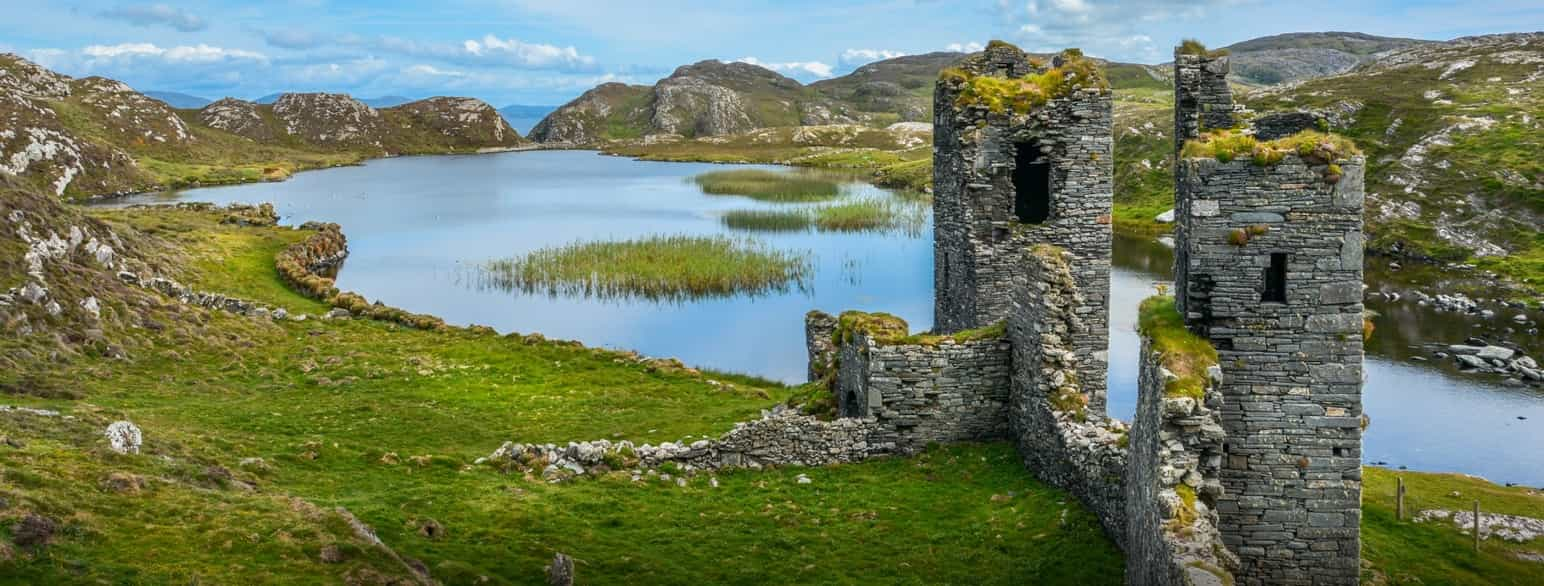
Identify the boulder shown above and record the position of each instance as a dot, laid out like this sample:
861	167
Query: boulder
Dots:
1495	353
124	437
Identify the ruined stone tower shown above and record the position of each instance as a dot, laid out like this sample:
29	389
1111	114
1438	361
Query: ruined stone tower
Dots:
1268	267
1202	99
1022	156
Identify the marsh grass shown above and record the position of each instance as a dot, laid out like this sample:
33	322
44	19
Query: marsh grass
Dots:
870	214
657	268
763	185
768	220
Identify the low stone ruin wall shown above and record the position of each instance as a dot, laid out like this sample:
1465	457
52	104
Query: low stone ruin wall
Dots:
1062	440
308	265
924	390
1173	482
1283	124
818	328
780	437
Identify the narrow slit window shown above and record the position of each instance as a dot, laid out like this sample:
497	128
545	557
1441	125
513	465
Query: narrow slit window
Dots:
1276	279
1031	184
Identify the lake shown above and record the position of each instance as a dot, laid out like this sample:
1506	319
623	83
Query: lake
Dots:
418	228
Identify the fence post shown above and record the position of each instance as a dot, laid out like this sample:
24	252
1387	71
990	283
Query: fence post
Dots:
1399	494
1476	524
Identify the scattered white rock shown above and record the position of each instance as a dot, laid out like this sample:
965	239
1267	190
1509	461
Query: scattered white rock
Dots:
124	437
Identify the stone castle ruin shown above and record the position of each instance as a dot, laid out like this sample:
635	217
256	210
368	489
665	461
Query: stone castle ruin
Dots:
1243	464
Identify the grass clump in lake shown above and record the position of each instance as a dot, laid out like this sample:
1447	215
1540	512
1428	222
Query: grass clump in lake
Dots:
873	214
659	268
763	185
768	220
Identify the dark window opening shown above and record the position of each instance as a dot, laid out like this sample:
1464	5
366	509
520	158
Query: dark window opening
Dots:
1276	279
1340	452
1031	184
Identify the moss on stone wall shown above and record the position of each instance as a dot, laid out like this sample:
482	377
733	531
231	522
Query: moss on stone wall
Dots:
889	330
1020	95
1313	146
1195	47
1183	353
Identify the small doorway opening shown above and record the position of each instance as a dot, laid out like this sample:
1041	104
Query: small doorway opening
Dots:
1031	184
1276	279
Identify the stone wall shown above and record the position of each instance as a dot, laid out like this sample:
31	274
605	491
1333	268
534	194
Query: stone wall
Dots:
1062	440
780	437
818	327
978	239
1292	369
1202	98
1173	482
1283	124
935	389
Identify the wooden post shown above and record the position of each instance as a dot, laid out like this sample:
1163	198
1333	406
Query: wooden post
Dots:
1399	493
1476	524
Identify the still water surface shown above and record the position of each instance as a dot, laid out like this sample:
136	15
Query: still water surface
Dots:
419	226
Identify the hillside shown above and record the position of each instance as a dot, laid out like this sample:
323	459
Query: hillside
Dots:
1452	132
95	136
711	98
707	98
1299	56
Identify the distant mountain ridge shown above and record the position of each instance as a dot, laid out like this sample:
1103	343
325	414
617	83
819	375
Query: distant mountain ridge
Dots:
180	100
1298	56
381	102
95	136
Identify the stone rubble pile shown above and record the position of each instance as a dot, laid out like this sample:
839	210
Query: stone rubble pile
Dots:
780	437
1513	528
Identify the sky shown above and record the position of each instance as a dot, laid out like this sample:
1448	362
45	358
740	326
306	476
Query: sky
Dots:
546	52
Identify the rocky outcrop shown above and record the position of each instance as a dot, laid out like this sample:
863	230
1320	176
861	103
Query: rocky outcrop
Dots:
131	117
238	117
450	123
330	120
36	144
705	99
585	120
19	76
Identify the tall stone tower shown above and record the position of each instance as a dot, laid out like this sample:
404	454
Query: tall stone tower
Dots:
1268	265
1023	155
1202	99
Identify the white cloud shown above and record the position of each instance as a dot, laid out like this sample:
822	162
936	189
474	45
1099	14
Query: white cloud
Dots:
794	69
530	55
157	14
856	57
199	53
970	47
1116	29
432	71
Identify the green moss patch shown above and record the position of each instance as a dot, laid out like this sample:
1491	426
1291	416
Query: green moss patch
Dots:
1182	352
1195	47
1020	95
1312	146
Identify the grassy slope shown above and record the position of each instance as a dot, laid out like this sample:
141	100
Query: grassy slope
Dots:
1469	194
324	403
339	411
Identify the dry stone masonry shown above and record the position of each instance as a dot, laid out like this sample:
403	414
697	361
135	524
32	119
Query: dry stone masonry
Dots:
1009	178
1268	268
1202	98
